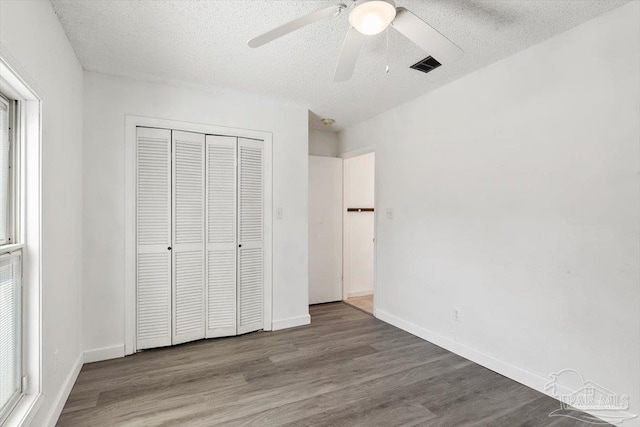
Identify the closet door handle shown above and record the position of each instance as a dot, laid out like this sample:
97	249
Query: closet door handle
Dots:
169	248
239	246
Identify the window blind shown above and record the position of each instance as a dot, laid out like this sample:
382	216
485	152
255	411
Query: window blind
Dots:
10	327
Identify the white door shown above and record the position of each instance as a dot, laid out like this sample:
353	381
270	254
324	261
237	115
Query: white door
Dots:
221	215
359	177
325	229
250	235
153	237
200	224
188	237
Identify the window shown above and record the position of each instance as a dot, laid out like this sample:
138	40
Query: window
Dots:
20	228
5	165
10	268
10	331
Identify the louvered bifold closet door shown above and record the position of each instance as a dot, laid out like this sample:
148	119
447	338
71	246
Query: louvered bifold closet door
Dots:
153	235
221	235
250	235
188	237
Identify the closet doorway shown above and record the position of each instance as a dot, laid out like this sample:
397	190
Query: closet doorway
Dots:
199	257
359	231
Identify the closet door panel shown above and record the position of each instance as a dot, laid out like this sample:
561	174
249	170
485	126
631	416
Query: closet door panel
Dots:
188	237
250	235
153	235
188	296
221	200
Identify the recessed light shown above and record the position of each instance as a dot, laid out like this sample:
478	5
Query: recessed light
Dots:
328	122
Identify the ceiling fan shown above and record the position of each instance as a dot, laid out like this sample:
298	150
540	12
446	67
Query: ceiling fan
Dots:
367	18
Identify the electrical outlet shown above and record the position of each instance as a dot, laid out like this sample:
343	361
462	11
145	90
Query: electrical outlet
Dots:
389	213
279	213
456	314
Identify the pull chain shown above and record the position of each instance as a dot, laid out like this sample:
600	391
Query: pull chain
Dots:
387	69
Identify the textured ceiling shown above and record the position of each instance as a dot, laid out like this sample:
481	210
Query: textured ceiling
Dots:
203	43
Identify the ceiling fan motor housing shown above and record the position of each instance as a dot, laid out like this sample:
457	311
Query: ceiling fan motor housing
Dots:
359	2
371	17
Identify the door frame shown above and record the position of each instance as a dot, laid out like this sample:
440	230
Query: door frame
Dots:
347	155
133	121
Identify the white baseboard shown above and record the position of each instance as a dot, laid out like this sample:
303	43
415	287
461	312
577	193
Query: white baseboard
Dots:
352	294
523	376
292	322
58	404
104	353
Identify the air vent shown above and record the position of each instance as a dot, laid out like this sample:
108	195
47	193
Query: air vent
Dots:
426	65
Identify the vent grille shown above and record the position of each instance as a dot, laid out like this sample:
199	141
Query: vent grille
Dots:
427	64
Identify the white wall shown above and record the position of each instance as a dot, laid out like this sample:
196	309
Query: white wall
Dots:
516	199
31	34
323	143
359	192
107	100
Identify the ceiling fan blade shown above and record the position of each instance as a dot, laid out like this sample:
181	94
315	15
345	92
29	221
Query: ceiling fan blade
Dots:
349	55
296	24
425	36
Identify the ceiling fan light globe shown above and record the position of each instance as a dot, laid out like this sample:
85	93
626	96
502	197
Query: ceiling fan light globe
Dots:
372	17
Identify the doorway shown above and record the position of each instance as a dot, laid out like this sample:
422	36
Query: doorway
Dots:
359	231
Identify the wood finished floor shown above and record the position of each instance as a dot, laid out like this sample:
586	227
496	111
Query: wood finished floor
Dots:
345	369
364	303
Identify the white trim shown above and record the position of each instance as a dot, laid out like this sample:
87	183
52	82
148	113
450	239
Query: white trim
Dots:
7	249
22	84
18	84
104	353
291	322
58	404
523	376
516	373
25	411
267	243
131	122
346	266
359	293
